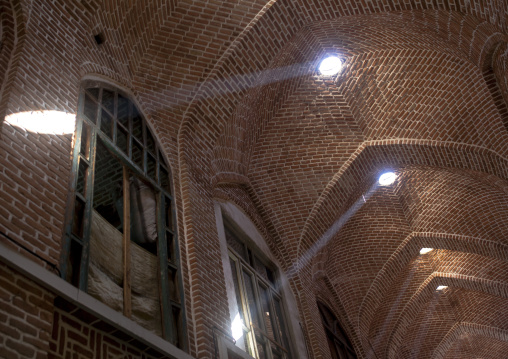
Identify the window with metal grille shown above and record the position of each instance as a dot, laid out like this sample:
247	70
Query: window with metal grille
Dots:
338	342
261	313
120	242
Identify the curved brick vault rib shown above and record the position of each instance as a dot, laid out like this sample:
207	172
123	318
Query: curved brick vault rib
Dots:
372	157
488	195
13	34
407	251
492	245
488	242
8	39
406	288
425	293
326	293
229	165
494	68
473	207
261	102
253	46
464	329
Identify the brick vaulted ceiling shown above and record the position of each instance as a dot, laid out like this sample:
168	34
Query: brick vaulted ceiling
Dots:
232	91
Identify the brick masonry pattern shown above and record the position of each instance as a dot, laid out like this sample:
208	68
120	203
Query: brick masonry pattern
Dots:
424	91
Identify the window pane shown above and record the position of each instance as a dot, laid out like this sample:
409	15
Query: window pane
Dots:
164	179
237	290
283	338
235	244
276	352
251	299
170	244
266	314
270	275
143	214
168	210
74	268
261	348
108	186
107	124
137	124
260	268
82	175
77	221
151	166
108	100
122	139
174	294
145	292
137	153
150	142
177	327
94	92
90	109
85	138
123	111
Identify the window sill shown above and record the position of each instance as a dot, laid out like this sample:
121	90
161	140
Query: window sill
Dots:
81	299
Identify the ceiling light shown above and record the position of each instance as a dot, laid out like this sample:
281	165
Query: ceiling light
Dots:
48	122
331	65
425	250
441	287
387	178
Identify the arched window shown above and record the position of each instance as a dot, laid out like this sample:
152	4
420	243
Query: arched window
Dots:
120	241
260	323
338	342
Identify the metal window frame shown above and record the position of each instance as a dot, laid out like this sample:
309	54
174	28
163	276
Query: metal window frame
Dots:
129	165
252	329
330	330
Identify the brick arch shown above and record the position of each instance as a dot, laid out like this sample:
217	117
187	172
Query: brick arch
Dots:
464	328
325	293
13	34
372	233
408	250
372	157
243	197
252	107
259	103
229	152
495	68
411	98
91	70
472	207
425	293
7	39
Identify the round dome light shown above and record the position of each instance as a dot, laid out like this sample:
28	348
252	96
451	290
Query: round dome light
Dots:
387	178
330	66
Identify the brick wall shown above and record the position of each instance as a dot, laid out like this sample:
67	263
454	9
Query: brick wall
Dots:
78	334
300	151
26	317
